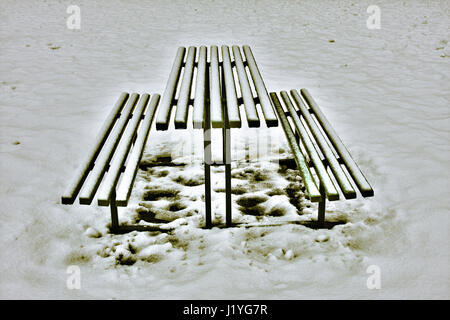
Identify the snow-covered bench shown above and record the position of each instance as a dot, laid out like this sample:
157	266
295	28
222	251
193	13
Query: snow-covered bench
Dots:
212	93
315	144
215	103
117	149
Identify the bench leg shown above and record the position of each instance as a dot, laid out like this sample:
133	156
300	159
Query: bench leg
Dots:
207	159
321	213
114	215
207	164
226	135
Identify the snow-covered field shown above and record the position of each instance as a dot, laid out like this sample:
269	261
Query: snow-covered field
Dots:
385	91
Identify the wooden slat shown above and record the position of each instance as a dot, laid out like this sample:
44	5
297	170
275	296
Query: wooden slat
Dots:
264	100
181	114
361	181
111	178
125	186
162	120
216	112
200	90
82	171
247	95
329	188
311	188
234	116
341	177
95	176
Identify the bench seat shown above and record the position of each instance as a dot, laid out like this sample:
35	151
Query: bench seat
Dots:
315	144
115	153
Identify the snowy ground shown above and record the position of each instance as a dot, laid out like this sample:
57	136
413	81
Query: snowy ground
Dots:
385	91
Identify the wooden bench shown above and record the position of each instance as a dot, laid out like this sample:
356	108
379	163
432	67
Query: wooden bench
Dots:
315	144
210	100
215	103
115	154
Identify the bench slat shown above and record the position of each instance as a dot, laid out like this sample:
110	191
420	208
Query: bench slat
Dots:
181	114
264	100
234	116
330	190
216	112
82	171
361	181
110	181
125	186
341	177
247	95
200	90
313	191
162	120
94	178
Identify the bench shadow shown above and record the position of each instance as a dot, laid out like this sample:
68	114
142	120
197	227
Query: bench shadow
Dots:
160	162
309	224
142	228
122	229
150	217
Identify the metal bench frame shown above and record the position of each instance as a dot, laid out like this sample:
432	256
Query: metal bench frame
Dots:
313	142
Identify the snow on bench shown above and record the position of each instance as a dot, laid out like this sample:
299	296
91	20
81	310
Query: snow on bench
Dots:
215	102
212	84
313	149
118	140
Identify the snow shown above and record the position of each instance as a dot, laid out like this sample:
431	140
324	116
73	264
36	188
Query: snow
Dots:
385	91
